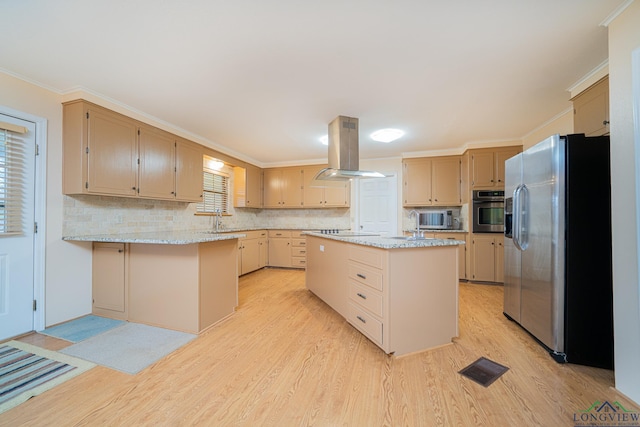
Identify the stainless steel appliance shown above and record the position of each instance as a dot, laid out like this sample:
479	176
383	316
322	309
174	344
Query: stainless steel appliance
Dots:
441	219
557	261
488	211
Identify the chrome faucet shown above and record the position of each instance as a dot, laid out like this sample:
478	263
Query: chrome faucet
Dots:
218	219
417	232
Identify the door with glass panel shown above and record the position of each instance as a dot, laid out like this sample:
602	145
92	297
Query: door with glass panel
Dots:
17	225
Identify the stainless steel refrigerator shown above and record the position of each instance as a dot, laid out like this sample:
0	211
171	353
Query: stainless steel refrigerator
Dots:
557	250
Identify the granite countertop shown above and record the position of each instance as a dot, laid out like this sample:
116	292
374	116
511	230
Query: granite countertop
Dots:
159	237
434	230
388	242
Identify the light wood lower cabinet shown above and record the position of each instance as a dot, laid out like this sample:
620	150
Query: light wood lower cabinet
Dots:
487	257
109	280
403	300
287	248
251	251
181	287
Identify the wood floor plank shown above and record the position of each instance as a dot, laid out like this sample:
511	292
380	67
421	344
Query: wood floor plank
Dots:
285	358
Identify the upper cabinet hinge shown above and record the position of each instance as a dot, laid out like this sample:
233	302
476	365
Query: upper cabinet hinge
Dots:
86	185
138	131
37	150
35	227
86	150
87	114
35	305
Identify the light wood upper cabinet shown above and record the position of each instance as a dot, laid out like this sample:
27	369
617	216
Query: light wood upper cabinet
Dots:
445	181
591	110
431	181
416	176
247	190
188	171
107	153
323	194
157	163
100	151
487	166
283	188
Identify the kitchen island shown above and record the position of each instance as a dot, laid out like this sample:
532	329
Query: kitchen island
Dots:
401	294
185	281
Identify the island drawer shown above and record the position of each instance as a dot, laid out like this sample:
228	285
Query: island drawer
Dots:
366	275
296	241
298	261
297	251
280	233
369	256
366	297
365	323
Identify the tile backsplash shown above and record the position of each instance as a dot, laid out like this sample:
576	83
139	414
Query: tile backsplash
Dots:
89	215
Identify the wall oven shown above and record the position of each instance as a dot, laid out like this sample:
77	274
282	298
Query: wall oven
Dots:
488	211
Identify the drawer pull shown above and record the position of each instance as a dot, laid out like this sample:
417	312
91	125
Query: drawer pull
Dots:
361	295
361	319
362	276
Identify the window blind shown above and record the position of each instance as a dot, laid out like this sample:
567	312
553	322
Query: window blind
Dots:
12	181
215	194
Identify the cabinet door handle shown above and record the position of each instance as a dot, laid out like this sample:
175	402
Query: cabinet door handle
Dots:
362	276
361	319
120	251
605	122
361	295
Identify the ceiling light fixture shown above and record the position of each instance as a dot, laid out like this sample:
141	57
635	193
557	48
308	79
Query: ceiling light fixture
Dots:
386	135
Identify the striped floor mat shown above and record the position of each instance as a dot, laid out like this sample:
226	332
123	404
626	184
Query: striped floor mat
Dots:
27	370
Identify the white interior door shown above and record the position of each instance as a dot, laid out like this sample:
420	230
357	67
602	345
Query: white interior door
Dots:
17	220
378	205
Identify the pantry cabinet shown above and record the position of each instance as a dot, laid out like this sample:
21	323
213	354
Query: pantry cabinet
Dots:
107	153
591	109
431	181
487	257
282	188
487	166
323	194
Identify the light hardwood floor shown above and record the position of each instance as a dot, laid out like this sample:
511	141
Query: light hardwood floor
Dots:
286	359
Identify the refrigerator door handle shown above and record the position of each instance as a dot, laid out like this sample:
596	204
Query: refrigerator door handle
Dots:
523	210
516	217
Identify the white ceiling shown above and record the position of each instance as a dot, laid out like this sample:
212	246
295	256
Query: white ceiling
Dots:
264	77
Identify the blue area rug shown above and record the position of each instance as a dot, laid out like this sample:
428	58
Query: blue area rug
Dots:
80	329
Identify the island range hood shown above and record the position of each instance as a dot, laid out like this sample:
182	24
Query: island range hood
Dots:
343	152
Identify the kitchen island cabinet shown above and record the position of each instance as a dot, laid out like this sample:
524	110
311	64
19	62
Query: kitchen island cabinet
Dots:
402	295
186	282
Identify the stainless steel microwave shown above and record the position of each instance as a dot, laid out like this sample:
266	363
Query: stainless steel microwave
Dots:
441	219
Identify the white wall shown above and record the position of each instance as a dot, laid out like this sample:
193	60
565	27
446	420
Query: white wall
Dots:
624	38
67	265
561	124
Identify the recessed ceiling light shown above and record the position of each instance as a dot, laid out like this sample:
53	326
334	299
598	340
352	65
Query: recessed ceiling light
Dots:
386	135
324	140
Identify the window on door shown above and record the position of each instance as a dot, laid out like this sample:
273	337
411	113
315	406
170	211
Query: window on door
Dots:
12	180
